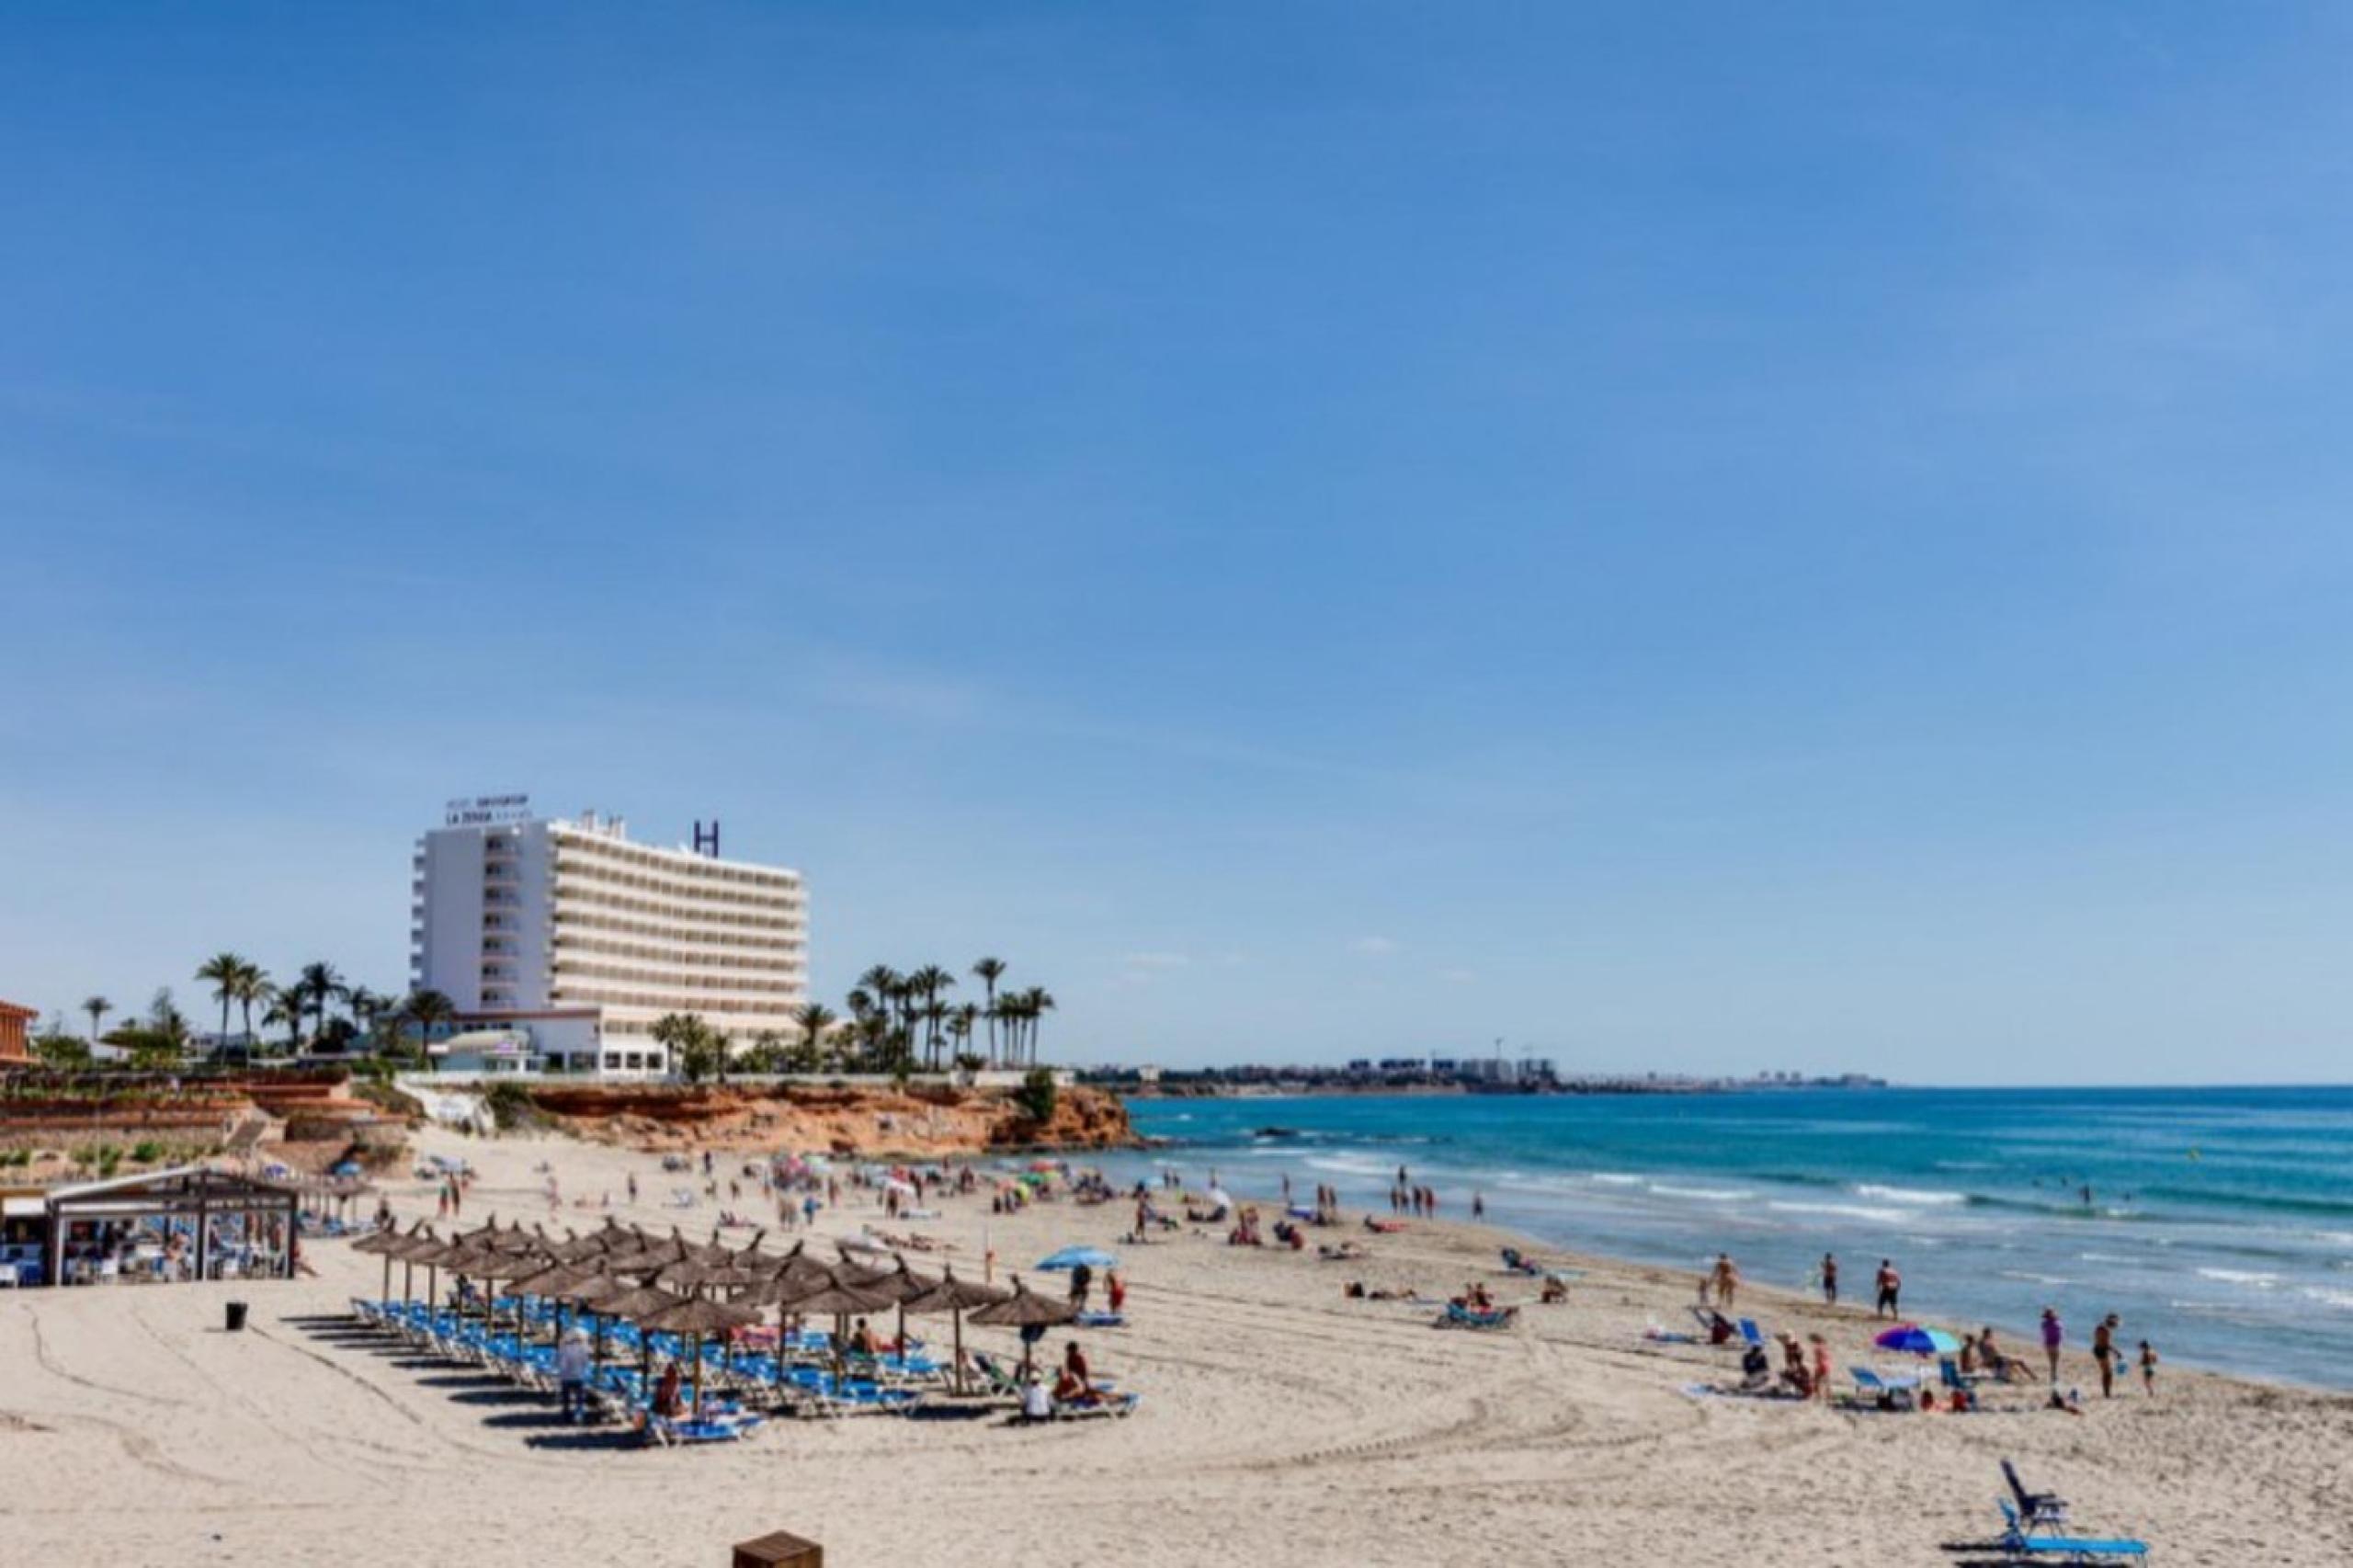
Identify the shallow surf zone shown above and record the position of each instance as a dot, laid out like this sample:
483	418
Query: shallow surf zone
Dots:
2186	1218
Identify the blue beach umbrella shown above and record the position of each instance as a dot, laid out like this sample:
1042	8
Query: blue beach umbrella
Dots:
1911	1339
1071	1258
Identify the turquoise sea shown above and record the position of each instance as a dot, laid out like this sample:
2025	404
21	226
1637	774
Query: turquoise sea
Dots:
2218	1223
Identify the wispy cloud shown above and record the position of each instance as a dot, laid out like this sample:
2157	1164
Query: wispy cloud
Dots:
1158	961
1457	975
1373	947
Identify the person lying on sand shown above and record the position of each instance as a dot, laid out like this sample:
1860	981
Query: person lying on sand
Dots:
1344	1252
1355	1291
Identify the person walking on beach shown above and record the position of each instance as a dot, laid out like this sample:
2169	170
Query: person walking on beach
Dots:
1829	1280
1890	1286
2105	1353
572	1375
1478	1205
2148	1370
2054	1334
1727	1280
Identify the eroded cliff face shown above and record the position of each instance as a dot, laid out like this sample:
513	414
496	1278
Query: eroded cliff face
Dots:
923	1122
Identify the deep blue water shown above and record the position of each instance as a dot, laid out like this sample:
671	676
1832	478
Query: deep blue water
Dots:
2219	1221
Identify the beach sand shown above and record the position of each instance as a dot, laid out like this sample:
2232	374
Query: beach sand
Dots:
1282	1424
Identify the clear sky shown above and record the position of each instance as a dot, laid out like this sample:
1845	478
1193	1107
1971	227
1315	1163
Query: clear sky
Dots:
1707	536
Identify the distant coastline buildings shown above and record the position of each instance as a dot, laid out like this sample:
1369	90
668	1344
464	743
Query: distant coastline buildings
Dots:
562	941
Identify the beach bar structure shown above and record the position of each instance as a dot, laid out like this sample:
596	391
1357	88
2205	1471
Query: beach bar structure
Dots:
191	1222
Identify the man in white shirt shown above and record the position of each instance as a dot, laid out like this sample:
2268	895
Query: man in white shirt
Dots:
572	1375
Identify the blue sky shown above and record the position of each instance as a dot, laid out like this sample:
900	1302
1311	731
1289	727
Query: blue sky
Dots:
1705	538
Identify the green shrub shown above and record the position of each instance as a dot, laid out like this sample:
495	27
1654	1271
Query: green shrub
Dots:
146	1151
1038	1095
511	1107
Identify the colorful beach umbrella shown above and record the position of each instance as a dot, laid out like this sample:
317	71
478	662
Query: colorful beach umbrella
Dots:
1911	1339
1076	1257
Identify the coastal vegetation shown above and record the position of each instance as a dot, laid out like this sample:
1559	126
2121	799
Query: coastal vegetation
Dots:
895	1025
891	1024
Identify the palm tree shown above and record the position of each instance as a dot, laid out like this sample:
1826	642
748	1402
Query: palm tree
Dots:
98	1007
285	1006
324	987
1008	1015
961	1021
225	973
426	1007
1039	1002
880	983
927	982
989	972
366	1008
253	986
814	1018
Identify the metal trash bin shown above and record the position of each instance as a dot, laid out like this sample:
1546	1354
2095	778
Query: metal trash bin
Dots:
236	1316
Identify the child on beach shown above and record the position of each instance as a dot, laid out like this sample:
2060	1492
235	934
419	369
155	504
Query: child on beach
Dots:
2148	1370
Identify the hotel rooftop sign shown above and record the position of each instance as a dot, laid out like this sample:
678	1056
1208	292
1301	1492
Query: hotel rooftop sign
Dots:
481	811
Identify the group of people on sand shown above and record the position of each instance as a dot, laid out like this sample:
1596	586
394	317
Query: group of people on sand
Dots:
1981	1355
1419	1201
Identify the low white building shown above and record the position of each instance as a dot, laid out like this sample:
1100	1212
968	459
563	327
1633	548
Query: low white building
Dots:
571	940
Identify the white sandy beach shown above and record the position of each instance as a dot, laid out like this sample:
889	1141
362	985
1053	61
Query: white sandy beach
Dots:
1282	1425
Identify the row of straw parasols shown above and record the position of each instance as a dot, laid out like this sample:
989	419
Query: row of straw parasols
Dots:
671	1284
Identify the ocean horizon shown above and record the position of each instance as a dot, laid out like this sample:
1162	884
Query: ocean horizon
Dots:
2217	1221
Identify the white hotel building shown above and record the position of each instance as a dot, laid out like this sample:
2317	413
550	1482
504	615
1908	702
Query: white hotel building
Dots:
569	941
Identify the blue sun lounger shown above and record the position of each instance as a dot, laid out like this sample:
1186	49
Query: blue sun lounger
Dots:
2038	1509
2024	1548
1750	1334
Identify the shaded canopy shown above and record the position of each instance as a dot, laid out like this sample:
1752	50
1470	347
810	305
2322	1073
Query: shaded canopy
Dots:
558	1278
639	1303
598	1288
902	1284
951	1294
831	1293
378	1242
699	1317
1026	1309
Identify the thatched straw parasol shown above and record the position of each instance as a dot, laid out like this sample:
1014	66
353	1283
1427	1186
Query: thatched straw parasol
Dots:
954	1297
633	1303
387	1244
827	1293
1026	1309
796	1267
698	1319
903	1285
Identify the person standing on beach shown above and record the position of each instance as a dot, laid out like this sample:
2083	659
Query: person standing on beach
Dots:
2148	1370
2054	1334
1478	1205
2104	1352
1727	1280
1890	1286
1829	1280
